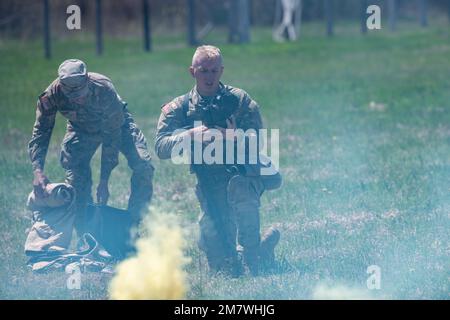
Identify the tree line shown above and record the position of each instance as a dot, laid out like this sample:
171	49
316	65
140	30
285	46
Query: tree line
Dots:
23	19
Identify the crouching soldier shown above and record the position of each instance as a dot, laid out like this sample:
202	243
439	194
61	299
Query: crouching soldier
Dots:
96	115
229	195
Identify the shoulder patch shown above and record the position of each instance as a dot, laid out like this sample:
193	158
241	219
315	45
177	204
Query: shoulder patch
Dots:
43	97
167	108
174	106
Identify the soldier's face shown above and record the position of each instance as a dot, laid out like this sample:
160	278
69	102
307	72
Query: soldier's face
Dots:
207	73
78	95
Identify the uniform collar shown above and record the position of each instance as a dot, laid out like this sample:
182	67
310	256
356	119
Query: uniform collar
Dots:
196	98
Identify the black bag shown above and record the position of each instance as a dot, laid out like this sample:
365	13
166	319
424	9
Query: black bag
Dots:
111	227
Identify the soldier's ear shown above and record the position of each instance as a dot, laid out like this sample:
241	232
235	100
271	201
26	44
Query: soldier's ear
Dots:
191	70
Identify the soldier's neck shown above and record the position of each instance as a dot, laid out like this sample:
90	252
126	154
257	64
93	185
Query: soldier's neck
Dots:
207	96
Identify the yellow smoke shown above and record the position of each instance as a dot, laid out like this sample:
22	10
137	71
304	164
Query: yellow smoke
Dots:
157	269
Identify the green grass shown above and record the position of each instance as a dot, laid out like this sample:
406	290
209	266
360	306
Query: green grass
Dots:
364	183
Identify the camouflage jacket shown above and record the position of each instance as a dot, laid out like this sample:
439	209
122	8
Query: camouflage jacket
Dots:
102	116
233	101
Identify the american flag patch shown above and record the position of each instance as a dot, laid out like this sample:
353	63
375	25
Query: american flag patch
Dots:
167	108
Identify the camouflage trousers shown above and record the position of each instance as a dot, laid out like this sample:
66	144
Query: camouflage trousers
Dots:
230	219
77	150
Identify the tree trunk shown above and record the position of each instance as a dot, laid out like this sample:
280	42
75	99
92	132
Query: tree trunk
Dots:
98	29
329	17
244	21
298	17
423	8
277	17
363	16
238	22
146	25
192	39
392	14
448	10
46	30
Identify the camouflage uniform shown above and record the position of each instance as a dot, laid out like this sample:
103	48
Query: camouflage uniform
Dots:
229	200
104	119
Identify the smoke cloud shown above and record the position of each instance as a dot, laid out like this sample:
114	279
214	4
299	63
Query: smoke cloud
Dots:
157	269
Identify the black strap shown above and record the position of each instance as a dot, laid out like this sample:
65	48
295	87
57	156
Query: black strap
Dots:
185	104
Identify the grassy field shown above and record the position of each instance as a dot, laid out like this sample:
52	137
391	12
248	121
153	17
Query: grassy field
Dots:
365	153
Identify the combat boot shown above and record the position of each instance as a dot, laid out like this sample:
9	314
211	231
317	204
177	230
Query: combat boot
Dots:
230	266
269	240
251	260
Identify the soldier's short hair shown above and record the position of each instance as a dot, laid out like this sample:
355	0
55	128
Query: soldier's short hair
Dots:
206	51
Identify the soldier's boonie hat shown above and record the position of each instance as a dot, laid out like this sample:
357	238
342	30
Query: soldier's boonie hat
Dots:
73	78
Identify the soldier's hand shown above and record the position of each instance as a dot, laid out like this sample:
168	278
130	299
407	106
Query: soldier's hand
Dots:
231	126
40	181
102	193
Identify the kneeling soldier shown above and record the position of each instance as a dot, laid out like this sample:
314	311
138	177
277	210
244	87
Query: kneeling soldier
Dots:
229	195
